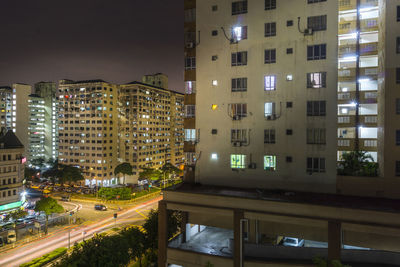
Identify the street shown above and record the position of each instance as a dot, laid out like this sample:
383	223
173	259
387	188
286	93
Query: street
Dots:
72	234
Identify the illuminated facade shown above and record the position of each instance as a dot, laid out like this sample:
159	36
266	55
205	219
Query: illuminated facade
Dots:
150	127
43	122
88	128
282	89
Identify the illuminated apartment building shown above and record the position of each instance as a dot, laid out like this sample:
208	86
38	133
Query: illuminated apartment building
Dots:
43	122
88	128
5	105
283	88
150	126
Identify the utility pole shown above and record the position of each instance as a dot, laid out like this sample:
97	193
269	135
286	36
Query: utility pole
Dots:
69	238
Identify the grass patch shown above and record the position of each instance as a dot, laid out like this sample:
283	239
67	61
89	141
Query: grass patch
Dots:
115	229
145	192
45	258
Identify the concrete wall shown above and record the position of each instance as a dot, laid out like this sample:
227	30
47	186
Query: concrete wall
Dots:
289	175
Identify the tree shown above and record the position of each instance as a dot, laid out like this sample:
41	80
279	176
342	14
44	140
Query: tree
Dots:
136	243
48	206
15	215
124	168
30	173
150	173
168	169
38	162
357	163
71	174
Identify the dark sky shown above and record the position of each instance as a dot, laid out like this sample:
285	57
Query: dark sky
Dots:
114	40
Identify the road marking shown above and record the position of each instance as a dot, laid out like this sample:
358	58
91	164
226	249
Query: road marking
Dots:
142	214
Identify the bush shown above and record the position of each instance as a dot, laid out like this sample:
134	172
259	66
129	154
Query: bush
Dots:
108	193
45	258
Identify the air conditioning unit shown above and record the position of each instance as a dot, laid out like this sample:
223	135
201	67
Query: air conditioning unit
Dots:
237	144
236	117
190	45
308	31
252	166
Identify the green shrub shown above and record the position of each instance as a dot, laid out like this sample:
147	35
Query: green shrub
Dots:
45	258
108	193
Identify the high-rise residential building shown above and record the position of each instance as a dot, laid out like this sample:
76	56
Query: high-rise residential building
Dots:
15	110
150	126
43	122
11	171
191	136
283	88
157	80
88	128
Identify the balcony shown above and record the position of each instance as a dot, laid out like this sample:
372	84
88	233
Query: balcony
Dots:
352	4
366	25
366	97
364	144
366	49
349	74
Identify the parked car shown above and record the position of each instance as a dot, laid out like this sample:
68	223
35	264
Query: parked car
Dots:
66	198
11	236
100	207
2	243
292	242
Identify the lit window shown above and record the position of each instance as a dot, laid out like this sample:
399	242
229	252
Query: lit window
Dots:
270	163
239	33
269	109
316	80
289	77
270	83
214	106
238	161
214	82
214	156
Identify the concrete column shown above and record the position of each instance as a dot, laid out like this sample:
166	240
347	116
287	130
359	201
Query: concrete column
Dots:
334	240
185	220
238	243
162	233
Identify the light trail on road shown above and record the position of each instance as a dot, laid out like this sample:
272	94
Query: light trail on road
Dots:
25	253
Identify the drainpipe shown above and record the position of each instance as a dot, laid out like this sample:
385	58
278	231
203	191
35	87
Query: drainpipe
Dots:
357	118
242	221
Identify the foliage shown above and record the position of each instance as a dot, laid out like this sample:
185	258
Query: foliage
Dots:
108	193
209	264
357	163
320	262
169	169
124	168
145	192
41	261
30	173
48	206
38	162
120	249
64	173
15	215
150	173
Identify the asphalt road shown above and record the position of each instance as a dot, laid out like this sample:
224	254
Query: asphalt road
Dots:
27	252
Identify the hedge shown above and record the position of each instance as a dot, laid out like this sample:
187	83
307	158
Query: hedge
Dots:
45	258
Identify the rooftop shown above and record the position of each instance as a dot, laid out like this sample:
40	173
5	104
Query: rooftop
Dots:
149	85
334	200
10	140
85	81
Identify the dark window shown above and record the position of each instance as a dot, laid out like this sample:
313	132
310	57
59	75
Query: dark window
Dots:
289	23
239	84
270	29
270	4
289	51
397	137
316	108
316	80
398	13
214	58
316	136
315	165
239	7
289	159
270	56
214	33
214	8
397	75
239	58
398	45
315	52
214	131
238	110
315	1
289	131
289	104
190	63
397	105
269	136
317	23
397	171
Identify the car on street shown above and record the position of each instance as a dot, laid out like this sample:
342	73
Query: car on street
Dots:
292	242
11	236
100	207
2	243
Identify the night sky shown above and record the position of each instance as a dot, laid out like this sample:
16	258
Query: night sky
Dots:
114	40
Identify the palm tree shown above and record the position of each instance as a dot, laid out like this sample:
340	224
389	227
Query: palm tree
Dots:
357	163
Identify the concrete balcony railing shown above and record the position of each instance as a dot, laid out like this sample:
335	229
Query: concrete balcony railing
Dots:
349	74
366	25
350	120
352	4
367	49
366	97
365	144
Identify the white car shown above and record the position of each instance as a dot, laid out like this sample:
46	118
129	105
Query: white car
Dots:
292	242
